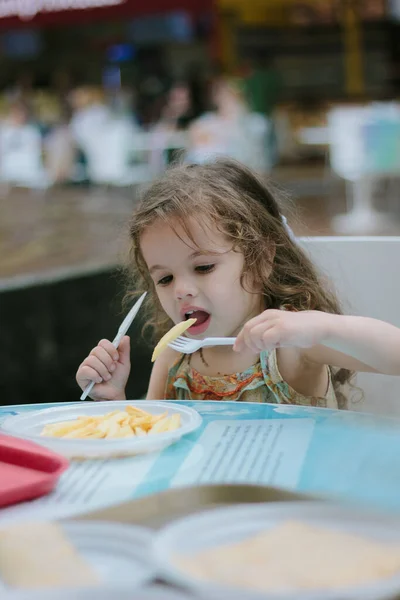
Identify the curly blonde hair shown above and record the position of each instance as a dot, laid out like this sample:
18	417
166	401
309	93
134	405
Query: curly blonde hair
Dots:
229	196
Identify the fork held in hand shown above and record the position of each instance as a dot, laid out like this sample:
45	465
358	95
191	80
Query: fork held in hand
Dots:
187	346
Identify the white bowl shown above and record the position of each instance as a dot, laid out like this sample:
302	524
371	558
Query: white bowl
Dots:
229	525
105	593
118	553
30	424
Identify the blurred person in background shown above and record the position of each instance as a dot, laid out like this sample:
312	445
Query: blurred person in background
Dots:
89	113
150	100
46	107
60	149
22	88
177	112
167	141
263	86
232	129
123	102
61	84
108	138
21	148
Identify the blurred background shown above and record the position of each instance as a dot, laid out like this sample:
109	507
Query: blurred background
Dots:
98	97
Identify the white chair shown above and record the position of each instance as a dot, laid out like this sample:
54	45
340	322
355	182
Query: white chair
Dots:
364	273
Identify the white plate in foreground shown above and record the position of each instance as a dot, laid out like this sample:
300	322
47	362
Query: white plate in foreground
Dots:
105	593
229	525
29	425
119	554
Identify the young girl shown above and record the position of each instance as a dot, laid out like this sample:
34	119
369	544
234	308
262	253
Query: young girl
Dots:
208	241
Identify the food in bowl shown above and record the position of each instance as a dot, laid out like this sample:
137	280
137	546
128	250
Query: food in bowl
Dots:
39	555
295	556
128	423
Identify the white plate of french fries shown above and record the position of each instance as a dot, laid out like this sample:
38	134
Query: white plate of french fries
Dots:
105	429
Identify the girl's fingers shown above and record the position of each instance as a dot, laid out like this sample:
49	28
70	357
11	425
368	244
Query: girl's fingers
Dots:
238	345
98	366
242	338
110	349
270	339
103	356
87	374
250	341
125	351
247	336
254	338
264	317
101	367
252	332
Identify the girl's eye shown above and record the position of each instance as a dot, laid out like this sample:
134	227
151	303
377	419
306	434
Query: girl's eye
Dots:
165	280
204	268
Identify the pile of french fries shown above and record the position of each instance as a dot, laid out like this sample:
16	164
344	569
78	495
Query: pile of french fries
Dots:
131	422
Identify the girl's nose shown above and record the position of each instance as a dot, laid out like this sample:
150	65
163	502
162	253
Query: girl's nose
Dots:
184	288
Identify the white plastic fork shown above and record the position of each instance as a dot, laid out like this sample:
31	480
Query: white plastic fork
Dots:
187	346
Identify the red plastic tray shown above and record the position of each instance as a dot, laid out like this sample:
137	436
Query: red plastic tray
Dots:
27	470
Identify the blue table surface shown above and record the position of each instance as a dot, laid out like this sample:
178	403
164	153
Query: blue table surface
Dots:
348	455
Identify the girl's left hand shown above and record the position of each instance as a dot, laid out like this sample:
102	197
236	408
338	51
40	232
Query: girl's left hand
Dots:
279	328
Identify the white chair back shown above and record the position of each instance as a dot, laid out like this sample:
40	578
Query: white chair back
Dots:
381	138
364	273
346	149
364	140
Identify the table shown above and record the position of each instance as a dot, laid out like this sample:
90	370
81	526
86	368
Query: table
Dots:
346	455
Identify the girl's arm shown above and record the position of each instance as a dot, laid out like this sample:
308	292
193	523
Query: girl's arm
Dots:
159	374
355	343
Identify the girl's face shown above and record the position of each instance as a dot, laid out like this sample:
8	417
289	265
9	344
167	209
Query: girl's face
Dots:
200	280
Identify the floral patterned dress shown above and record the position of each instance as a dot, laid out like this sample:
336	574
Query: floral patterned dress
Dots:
260	383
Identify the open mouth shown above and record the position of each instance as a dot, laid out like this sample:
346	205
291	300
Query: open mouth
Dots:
201	316
202	321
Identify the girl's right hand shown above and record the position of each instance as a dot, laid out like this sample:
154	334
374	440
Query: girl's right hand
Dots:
109	368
